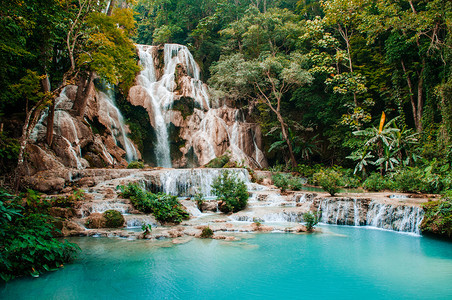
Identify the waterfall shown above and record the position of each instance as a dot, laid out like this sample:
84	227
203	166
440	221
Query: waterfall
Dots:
161	90
117	125
380	215
398	218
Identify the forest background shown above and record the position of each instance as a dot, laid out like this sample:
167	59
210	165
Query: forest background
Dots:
317	75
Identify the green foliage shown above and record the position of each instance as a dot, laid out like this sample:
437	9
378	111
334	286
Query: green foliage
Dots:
376	182
70	200
206	233
329	180
113	218
147	229
9	151
165	207
199	199
438	218
311	219
26	239
231	191
110	52
286	181
135	165
218	162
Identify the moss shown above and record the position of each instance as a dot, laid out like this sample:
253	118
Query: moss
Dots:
186	106
176	142
135	165
113	218
218	162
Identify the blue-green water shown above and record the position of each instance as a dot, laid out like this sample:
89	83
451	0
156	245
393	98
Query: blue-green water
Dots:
341	263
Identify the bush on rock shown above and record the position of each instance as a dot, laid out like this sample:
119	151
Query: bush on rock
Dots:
113	218
231	191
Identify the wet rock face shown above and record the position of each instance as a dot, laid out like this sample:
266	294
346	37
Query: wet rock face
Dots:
176	100
98	139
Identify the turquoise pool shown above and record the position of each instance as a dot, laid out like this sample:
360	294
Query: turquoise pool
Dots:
340	263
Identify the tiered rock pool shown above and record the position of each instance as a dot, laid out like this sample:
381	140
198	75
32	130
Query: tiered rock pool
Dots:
338	263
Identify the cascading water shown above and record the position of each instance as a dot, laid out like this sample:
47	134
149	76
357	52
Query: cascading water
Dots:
189	182
117	126
398	218
161	90
170	89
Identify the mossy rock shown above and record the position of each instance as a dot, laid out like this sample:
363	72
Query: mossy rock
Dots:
218	162
113	218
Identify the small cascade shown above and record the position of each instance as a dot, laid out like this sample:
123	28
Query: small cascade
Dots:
136	221
189	182
338	212
398	218
104	205
114	117
273	217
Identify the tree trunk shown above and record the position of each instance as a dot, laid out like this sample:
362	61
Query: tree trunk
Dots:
420	99
286	138
83	91
51	115
50	121
110	7
411	94
30	121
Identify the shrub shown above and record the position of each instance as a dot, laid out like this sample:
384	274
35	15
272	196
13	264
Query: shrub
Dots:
376	182
231	191
311	219
281	181
27	246
329	180
406	180
165	207
199	199
69	201
135	165
286	181
206	233
113	218
147	229
438	218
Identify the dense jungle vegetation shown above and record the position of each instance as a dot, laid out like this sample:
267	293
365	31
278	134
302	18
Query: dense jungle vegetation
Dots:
317	75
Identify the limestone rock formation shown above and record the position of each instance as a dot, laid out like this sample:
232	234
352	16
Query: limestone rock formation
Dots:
191	128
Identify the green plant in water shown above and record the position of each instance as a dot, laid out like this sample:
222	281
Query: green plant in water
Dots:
147	229
27	245
69	201
207	233
218	162
311	219
231	191
165	207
